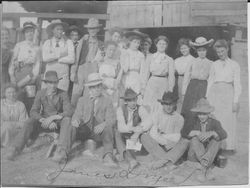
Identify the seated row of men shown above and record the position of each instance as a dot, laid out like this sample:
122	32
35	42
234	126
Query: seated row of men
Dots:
162	133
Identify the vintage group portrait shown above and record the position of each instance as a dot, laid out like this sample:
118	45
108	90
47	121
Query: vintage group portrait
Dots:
124	93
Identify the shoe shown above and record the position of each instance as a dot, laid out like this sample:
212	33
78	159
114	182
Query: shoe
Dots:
201	176
158	164
109	161
170	166
133	164
209	175
12	154
60	156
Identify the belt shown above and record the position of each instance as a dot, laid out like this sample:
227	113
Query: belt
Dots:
161	76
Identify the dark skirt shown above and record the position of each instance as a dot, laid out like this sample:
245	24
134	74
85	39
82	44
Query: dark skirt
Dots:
195	91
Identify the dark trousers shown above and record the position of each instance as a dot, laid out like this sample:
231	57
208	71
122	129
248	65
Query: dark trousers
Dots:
120	140
31	129
69	134
159	153
199	151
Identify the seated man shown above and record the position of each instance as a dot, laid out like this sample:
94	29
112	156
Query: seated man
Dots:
51	109
130	121
205	134
165	133
94	118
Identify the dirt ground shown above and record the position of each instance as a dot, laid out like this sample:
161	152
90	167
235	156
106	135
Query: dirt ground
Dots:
32	167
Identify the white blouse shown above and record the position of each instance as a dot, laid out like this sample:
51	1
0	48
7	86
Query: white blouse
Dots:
181	63
226	71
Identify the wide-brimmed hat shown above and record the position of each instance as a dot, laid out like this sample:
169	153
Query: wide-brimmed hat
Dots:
27	25
201	42
203	106
168	98
51	76
55	23
93	80
73	28
93	23
129	94
136	33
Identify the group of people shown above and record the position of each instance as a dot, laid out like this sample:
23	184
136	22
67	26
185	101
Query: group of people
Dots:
114	91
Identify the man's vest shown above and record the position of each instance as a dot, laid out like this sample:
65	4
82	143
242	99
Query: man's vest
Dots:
136	117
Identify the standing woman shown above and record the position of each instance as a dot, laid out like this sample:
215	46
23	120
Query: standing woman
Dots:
131	62
25	65
58	52
108	70
181	64
196	76
224	89
160	76
13	115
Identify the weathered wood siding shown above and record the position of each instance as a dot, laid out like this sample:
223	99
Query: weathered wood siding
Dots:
141	14
130	14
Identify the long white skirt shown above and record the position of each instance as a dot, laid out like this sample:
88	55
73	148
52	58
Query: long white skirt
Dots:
155	88
221	97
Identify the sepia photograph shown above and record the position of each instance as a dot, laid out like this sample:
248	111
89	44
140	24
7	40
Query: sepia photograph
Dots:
124	93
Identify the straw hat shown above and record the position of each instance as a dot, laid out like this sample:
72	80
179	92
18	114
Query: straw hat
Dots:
55	23
93	23
27	25
168	98
135	32
51	76
129	94
201	42
93	80
203	106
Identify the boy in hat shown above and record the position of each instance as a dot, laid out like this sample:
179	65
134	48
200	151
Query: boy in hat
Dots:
205	135
85	53
130	124
58	52
94	118
164	135
74	33
51	110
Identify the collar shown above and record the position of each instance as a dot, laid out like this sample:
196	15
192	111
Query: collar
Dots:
93	39
52	94
132	110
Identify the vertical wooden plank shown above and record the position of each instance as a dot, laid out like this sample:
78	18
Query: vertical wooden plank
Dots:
157	18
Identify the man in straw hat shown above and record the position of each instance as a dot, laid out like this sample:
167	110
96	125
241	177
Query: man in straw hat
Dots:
85	54
131	122
58	52
51	110
205	135
165	132
93	119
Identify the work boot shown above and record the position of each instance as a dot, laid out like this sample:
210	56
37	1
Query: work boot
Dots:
158	164
12	153
133	164
169	166
201	176
60	156
109	161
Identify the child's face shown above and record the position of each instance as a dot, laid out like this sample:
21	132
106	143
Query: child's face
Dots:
116	37
134	44
203	117
110	51
202	52
184	49
168	108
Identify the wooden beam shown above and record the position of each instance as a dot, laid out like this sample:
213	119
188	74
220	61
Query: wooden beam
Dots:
57	15
219	12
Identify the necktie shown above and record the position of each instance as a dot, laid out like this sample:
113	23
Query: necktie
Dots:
57	44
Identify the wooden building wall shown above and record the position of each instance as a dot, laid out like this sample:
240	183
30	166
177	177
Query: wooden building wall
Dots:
145	14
